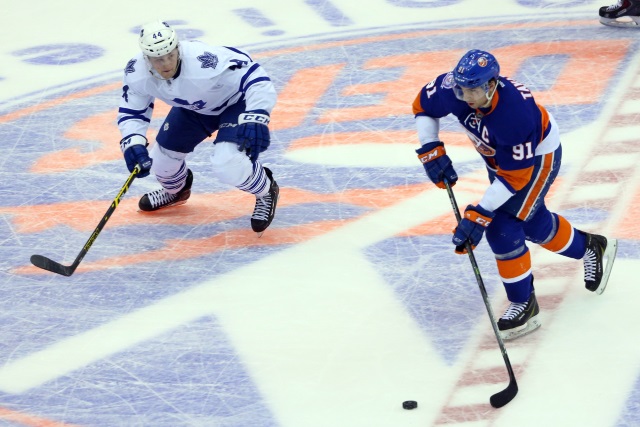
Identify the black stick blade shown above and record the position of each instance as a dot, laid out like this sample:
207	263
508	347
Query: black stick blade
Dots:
505	396
50	265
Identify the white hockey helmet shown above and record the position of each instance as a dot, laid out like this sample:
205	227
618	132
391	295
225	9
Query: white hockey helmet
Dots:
157	38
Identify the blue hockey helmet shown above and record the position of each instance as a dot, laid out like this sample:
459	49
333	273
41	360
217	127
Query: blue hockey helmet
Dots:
476	68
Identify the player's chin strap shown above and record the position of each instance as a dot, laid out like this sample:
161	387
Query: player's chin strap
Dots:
490	97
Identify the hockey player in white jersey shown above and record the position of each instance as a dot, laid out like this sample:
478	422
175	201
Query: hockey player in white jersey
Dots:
210	89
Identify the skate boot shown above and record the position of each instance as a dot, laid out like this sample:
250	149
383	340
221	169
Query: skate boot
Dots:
625	13
160	199
265	208
598	261
520	318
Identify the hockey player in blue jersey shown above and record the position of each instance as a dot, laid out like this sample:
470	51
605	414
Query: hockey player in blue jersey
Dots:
210	89
520	143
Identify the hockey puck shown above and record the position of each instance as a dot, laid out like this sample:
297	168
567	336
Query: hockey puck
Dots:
409	404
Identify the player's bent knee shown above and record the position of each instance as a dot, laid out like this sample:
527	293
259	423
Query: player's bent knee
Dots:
165	162
230	165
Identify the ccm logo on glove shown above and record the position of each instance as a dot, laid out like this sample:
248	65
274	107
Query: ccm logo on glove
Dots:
432	155
474	216
437	164
253	118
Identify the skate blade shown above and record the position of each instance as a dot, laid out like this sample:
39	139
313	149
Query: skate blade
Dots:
526	329
182	202
610	256
631	22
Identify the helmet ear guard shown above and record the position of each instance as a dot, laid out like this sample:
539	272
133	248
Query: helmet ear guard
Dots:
157	39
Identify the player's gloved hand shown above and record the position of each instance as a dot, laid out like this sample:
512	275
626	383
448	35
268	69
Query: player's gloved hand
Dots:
253	133
476	219
134	148
437	164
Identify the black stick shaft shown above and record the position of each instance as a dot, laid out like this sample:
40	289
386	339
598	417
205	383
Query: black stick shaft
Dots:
504	397
55	267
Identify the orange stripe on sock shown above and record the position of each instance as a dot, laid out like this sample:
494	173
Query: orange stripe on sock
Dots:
512	268
562	237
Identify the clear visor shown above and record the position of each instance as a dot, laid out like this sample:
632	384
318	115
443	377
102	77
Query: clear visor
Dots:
475	92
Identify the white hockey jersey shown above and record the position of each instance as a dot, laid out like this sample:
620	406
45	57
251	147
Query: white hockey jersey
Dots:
209	79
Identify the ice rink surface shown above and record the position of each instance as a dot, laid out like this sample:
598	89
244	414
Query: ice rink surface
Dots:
353	300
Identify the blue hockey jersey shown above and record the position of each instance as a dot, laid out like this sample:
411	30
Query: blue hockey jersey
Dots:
508	134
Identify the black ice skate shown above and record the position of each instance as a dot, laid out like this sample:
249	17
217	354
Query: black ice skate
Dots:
598	261
265	208
520	319
625	13
160	199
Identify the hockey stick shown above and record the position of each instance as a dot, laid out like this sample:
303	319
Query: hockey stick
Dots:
505	396
67	270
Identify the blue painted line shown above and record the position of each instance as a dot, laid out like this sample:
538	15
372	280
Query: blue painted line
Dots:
257	19
329	12
254	17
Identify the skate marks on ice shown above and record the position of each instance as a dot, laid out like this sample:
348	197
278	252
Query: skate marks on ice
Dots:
265	336
336	227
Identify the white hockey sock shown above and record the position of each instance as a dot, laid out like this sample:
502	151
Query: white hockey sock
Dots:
258	183
173	184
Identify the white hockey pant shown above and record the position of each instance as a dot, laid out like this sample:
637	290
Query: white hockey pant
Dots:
230	166
234	167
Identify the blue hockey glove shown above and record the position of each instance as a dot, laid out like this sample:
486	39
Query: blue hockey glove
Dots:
437	164
253	133
134	148
476	219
